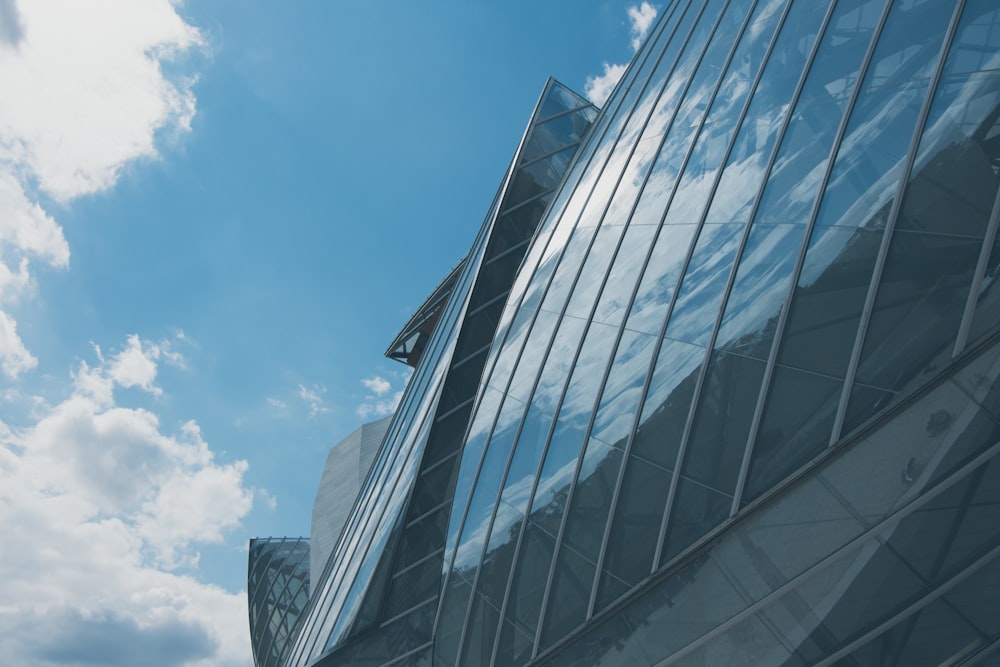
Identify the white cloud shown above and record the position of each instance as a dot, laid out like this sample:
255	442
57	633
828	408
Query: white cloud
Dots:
379	408
641	18
314	397
598	87
84	95
105	509
14	356
377	385
379	402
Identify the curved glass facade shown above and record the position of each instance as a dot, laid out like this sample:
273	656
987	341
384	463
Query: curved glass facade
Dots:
741	404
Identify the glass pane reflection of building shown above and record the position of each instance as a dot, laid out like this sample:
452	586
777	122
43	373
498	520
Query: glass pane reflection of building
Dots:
734	398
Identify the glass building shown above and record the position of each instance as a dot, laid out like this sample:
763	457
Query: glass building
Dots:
277	590
718	381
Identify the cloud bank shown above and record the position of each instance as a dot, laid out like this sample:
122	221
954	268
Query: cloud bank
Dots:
102	514
381	400
102	508
598	88
84	95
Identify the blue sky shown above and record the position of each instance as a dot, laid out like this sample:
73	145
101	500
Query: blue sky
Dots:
214	217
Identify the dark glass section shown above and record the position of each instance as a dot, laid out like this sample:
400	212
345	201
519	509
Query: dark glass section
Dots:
876	536
798	419
277	590
828	300
759	290
715	449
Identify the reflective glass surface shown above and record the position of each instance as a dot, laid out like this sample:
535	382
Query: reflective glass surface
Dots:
740	403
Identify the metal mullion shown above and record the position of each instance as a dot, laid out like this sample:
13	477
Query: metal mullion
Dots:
265	648
635	291
283	618
453	312
525	202
416	563
423	516
403	613
441	342
977	279
907	612
541	462
368	546
545	156
259	583
488	373
890	225
981	652
590	161
400	658
703	372
870	533
796	96
566	112
779	329
583	449
499	255
555	416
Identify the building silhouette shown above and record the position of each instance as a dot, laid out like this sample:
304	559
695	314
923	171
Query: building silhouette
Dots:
717	382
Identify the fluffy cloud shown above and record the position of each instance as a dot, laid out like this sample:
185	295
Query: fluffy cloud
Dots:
85	94
377	385
599	87
314	398
640	19
103	512
380	402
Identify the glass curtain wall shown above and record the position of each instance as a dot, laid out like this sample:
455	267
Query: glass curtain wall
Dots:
781	231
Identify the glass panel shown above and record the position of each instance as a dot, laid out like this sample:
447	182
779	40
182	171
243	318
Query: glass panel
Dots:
667	403
623	389
795	426
659	279
932	636
975	598
594	271
507	356
617	292
635	529
525	372
681	131
918	309
751	151
954	179
472	453
719	433
524	600
554	134
582	388
704	283
760	289
487	489
557	100
987	314
978	38
863	182
948	534
709	150
801	162
826	308
568	270
574	572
